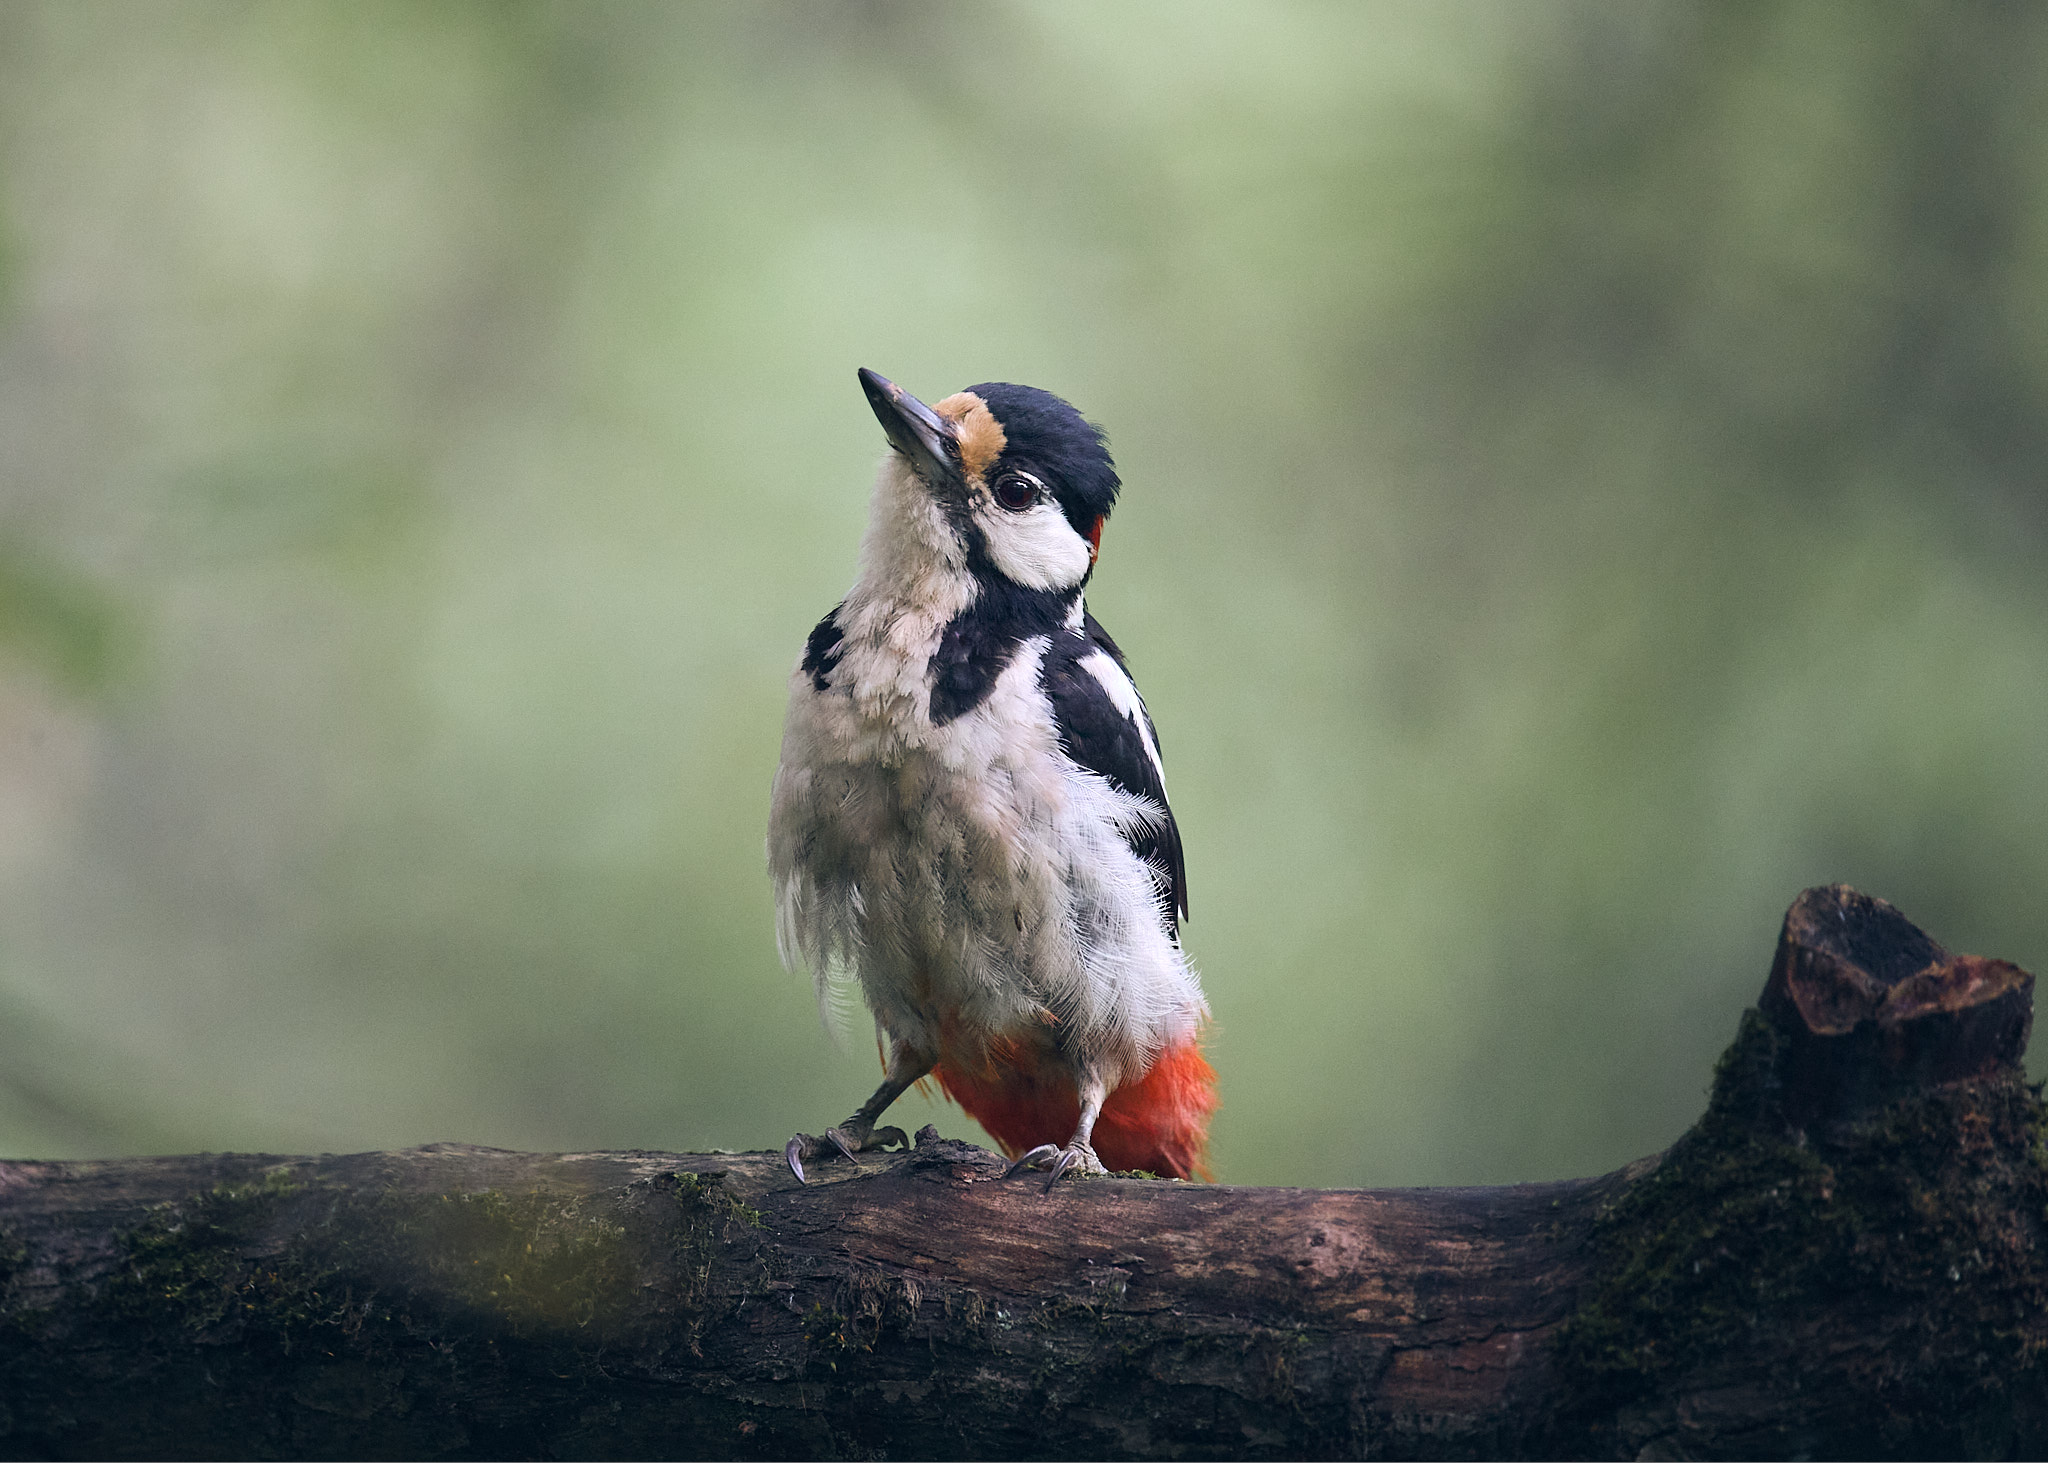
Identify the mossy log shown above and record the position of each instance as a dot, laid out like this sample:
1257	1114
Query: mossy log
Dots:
1843	1258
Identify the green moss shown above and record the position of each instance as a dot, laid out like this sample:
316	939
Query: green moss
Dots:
827	1328
534	1262
1919	1229
700	1194
198	1264
17	1322
711	1217
294	1263
13	1257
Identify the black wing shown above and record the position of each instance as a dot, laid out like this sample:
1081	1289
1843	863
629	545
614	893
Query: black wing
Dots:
821	650
1103	737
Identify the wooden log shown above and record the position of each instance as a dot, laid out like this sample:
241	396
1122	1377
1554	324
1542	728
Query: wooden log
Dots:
1842	1258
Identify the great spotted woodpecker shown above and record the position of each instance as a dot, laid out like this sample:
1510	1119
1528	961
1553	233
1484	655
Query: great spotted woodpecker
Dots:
970	815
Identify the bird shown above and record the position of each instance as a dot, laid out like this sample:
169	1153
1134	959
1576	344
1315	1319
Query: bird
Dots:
969	817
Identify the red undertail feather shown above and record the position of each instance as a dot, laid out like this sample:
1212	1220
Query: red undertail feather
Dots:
1160	1123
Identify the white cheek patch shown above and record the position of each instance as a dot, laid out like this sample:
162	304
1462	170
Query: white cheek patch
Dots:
1037	548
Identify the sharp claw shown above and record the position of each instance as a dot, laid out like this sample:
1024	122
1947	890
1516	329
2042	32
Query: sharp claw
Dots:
835	1141
1068	1159
1030	1160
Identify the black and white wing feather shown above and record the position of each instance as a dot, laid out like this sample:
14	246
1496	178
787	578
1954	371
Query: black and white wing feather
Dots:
1103	726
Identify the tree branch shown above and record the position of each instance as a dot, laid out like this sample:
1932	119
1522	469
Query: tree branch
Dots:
1842	1258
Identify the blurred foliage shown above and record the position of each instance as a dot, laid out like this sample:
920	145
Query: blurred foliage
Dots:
1583	487
54	621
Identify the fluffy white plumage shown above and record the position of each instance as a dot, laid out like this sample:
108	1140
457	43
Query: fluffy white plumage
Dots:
969	874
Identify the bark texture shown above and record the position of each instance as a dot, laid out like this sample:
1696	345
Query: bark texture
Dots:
1843	1258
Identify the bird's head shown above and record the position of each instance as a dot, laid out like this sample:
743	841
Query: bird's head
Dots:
998	479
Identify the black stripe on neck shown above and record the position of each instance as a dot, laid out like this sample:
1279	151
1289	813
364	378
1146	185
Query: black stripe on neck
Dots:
980	640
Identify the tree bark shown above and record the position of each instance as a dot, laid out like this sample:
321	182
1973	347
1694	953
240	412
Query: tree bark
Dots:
1843	1258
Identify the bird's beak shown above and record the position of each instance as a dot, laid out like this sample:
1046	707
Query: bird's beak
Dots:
930	441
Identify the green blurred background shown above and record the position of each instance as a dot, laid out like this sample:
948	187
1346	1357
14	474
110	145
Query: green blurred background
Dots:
1584	476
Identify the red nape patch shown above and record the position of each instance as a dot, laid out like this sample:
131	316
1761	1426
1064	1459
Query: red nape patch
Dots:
1160	1123
1095	540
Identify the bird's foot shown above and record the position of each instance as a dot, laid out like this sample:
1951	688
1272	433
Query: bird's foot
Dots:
1074	1158
848	1140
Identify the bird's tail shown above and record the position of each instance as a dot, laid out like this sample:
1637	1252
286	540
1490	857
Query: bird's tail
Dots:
1159	1123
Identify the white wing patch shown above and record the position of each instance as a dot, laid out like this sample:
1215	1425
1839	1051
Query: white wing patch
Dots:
1124	696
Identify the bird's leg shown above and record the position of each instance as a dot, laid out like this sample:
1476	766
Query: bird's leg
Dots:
859	1133
1078	1155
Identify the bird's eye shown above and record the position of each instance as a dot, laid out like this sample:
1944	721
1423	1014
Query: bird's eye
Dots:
1016	493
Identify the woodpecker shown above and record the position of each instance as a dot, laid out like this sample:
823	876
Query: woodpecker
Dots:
970	815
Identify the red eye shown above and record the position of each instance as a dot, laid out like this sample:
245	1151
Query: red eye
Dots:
1016	493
